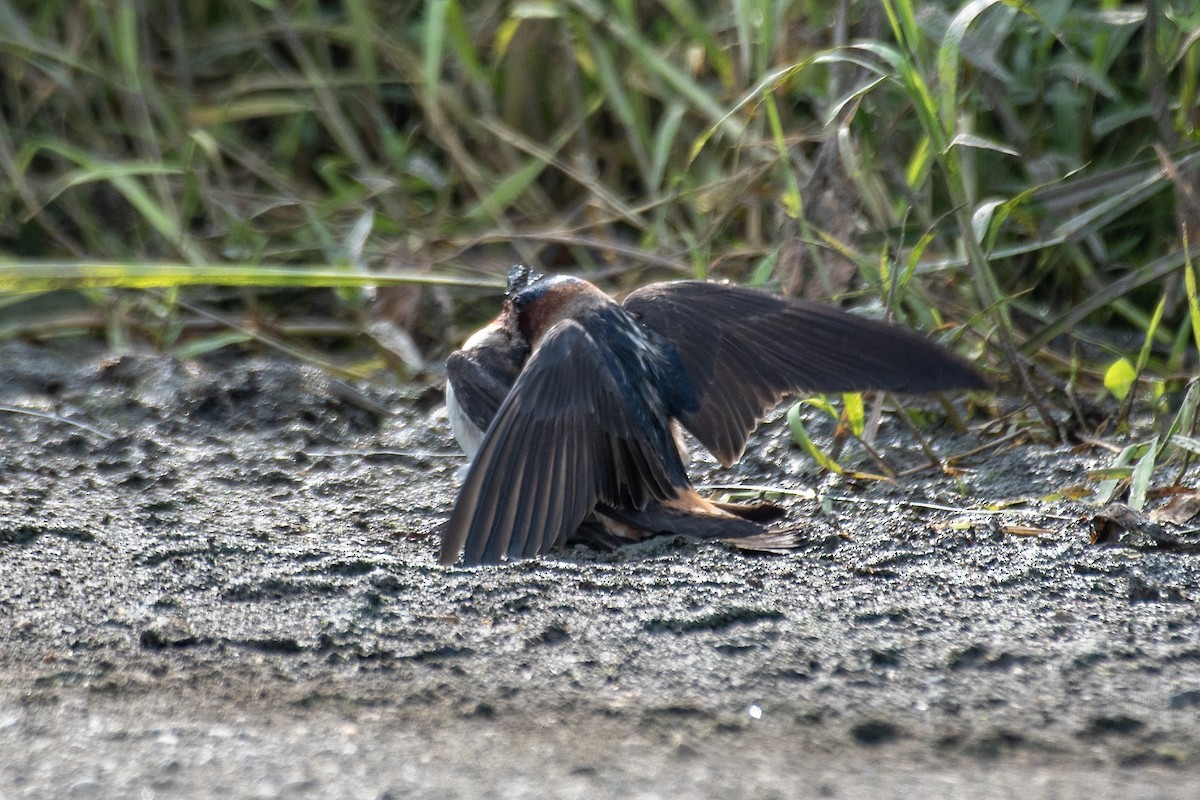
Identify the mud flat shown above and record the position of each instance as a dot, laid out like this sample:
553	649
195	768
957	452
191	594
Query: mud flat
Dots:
220	582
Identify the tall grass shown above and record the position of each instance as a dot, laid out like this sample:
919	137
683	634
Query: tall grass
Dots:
1023	170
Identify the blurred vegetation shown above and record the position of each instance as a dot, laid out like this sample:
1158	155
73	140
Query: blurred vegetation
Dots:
1021	177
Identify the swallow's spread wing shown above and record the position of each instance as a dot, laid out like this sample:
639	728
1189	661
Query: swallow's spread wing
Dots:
744	350
565	438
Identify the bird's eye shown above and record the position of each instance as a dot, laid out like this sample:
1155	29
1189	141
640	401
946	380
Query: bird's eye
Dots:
518	303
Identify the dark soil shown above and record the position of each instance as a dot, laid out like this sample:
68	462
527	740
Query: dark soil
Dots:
226	586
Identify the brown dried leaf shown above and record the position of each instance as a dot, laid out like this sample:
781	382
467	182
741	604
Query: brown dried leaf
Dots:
1117	523
1179	510
1024	530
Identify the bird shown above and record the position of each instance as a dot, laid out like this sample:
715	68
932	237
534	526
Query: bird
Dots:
569	406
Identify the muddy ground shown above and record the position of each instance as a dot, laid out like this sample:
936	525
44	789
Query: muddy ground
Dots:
225	586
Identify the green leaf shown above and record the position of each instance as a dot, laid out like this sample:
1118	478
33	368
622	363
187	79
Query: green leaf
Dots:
1108	487
1189	443
1139	483
800	436
981	220
981	143
1119	378
1110	473
855	412
1185	419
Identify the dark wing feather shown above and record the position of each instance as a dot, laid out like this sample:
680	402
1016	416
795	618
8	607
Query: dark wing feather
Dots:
563	439
482	377
744	350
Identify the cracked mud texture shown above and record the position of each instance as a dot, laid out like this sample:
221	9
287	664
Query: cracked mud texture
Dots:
227	587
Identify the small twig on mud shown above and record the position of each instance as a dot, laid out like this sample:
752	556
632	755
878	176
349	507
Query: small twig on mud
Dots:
1103	445
379	452
934	461
983	448
354	397
876	456
56	418
954	509
807	494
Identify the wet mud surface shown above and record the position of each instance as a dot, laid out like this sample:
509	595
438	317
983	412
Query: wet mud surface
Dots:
226	585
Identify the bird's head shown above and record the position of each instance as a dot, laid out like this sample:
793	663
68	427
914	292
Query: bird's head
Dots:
536	303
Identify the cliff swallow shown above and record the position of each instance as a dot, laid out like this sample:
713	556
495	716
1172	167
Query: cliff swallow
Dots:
568	404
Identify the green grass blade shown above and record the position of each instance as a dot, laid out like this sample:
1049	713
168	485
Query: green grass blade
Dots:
433	42
948	60
1193	296
1108	487
1143	471
1151	330
647	55
790	198
507	191
53	276
800	437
